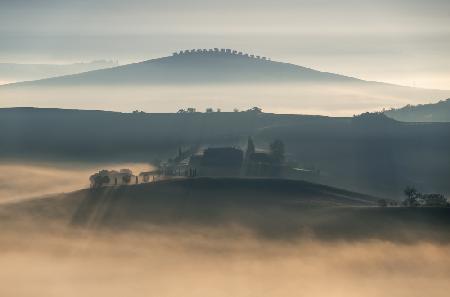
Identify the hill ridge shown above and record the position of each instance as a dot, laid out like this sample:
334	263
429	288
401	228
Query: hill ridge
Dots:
284	71
198	66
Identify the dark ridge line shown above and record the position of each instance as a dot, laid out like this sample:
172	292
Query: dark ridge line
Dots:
221	51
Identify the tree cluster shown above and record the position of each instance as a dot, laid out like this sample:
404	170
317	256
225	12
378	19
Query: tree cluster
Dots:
415	199
99	179
254	109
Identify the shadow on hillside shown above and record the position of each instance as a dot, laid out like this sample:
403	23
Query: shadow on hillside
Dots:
273	209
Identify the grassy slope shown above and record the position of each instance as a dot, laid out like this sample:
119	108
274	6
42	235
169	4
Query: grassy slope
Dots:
434	112
194	69
279	209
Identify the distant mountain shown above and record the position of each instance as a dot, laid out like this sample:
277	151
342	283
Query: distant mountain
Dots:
214	78
434	112
198	67
13	72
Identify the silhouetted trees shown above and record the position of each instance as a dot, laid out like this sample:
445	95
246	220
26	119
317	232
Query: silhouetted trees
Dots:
250	148
216	51
415	198
277	156
435	200
411	196
382	202
277	151
187	110
99	180
255	109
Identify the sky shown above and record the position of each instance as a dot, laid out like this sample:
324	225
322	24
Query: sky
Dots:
399	41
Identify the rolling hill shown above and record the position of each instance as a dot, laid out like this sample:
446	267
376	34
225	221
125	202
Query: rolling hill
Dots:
277	209
196	68
214	79
375	155
433	112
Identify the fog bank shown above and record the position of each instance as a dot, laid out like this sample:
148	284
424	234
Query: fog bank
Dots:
215	263
323	99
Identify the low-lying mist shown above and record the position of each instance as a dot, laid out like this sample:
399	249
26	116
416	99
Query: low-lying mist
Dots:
324	99
43	254
215	262
19	180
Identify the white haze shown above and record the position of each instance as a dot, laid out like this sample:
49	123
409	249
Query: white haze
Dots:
10	73
333	100
20	180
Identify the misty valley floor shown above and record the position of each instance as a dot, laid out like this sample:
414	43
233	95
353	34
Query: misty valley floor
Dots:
221	237
182	263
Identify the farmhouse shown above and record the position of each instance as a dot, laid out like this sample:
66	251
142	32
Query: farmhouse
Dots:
149	176
113	178
211	162
220	161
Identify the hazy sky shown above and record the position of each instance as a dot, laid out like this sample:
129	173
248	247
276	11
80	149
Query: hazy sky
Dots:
399	41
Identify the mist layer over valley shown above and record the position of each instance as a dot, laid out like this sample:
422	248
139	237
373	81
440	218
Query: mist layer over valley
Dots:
241	148
16	72
186	263
225	80
179	238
